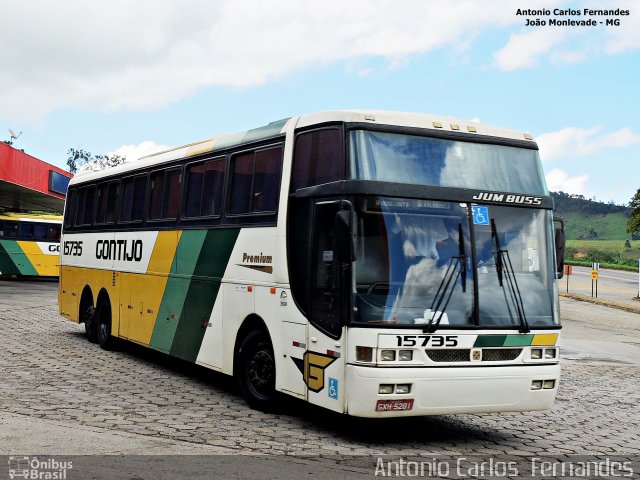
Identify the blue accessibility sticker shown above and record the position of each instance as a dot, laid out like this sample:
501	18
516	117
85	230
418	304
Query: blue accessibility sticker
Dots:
480	215
333	388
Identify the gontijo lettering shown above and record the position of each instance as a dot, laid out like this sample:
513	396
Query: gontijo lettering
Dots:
119	250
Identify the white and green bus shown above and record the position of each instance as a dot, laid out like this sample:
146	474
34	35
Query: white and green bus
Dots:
374	263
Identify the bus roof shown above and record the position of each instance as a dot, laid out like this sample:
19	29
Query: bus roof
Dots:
375	117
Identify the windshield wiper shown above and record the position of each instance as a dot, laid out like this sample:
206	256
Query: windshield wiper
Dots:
447	285
504	268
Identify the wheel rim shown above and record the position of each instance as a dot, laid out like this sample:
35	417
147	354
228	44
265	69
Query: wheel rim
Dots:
261	372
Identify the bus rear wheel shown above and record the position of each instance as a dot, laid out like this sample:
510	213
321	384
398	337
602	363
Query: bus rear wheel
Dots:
257	370
103	320
88	313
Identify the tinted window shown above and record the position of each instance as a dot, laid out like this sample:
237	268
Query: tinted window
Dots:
26	230
53	232
213	187
79	211
318	158
139	191
89	206
241	183
266	180
127	199
171	197
155	192
112	197
255	183
70	208
195	180
10	229
40	231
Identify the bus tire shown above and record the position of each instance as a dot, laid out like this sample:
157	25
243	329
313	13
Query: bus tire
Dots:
90	325
103	321
256	370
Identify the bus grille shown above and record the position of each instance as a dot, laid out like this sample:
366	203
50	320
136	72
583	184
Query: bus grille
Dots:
500	354
448	355
442	355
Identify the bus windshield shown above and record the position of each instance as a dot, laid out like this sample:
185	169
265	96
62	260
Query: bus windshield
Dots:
412	159
424	262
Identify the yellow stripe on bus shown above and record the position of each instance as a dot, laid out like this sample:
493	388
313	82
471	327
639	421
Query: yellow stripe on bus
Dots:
45	265
147	290
545	339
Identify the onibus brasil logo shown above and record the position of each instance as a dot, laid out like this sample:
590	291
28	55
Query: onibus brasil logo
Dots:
34	468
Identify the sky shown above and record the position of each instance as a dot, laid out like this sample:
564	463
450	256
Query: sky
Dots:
134	77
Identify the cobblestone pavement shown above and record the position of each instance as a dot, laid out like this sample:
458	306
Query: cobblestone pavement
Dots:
50	373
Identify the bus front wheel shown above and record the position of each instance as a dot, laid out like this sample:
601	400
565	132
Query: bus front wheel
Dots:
103	320
257	370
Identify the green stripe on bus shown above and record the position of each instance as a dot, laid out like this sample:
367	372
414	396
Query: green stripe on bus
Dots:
175	292
518	340
13	260
203	290
503	341
7	266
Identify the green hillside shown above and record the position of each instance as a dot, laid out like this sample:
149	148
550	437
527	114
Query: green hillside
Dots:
596	232
608	226
587	219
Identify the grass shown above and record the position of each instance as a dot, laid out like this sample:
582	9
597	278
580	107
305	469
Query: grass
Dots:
596	226
609	253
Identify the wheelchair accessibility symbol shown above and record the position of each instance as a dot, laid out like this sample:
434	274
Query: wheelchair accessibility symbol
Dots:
333	388
480	215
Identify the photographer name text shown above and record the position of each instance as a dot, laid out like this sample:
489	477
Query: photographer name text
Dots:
572	17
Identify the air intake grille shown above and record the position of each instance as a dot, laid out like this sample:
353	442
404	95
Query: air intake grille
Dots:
449	355
500	354
443	355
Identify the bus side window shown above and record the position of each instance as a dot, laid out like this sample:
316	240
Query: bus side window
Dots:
40	231
318	158
133	197
255	182
112	197
69	213
10	229
266	180
89	205
53	232
241	184
26	230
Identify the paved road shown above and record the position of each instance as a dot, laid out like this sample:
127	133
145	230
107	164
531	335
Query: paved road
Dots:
61	395
612	284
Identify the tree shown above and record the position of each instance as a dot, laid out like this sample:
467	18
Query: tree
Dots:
633	224
78	158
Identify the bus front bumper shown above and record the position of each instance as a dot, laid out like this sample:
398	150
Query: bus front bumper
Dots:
438	390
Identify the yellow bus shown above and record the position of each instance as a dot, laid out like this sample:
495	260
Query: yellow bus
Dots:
29	244
373	263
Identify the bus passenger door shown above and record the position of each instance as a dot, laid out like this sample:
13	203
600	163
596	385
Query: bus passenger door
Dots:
330	283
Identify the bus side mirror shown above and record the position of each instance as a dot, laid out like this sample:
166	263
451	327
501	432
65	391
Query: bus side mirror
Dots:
560	242
344	236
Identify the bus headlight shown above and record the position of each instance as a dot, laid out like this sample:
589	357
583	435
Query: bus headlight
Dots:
550	353
536	353
385	389
387	355
364	354
405	355
403	388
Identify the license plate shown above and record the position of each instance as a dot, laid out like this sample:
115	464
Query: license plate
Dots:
394	405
